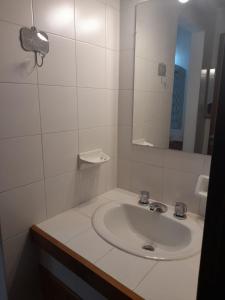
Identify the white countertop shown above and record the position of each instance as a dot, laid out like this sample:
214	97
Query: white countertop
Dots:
152	280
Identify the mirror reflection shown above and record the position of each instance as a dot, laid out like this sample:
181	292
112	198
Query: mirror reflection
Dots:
178	57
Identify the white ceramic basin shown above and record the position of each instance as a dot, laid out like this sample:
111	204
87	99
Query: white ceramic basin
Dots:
130	227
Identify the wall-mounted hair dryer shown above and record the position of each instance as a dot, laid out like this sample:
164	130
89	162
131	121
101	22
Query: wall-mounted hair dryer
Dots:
36	41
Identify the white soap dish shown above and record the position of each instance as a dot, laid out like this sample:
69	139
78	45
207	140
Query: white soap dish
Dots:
92	158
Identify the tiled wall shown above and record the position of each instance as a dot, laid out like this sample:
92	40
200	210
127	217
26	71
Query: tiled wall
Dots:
169	175
49	115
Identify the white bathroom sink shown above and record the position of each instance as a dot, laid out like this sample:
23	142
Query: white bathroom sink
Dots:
131	227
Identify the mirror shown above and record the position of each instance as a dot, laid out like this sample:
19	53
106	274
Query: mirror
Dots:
178	56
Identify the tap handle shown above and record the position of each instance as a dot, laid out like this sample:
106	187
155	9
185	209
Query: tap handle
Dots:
180	210
144	197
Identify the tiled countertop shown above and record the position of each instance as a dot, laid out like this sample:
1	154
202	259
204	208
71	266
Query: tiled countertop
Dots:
152	280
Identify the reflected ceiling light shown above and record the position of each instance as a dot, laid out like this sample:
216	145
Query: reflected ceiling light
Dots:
204	72
42	37
183	1
212	71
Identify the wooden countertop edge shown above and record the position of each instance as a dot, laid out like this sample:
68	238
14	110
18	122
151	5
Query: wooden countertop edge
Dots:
98	279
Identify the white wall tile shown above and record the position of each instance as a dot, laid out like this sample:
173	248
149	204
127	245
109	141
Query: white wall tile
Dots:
147	177
112	69
126	79
17	65
125	108
114	3
180	186
21	161
58	108
92	138
21	208
112	28
61	193
150	156
111	174
59	64
112	107
124	174
90	22
60	152
187	162
19	114
93	107
16	11
55	16
92	182
124	142
91	65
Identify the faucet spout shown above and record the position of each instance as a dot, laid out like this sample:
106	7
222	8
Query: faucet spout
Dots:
158	207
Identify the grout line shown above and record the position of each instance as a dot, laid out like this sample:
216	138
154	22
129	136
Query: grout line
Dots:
13	23
21	186
41	133
147	273
59	85
32	11
109	251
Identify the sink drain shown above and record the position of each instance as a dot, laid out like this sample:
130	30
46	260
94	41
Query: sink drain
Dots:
148	248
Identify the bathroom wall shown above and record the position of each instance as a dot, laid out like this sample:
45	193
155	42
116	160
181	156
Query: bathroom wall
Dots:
169	175
49	115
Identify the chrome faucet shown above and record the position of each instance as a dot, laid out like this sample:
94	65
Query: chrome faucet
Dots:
158	207
180	210
144	198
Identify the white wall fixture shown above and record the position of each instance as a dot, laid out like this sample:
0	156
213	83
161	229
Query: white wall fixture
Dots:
201	192
92	158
